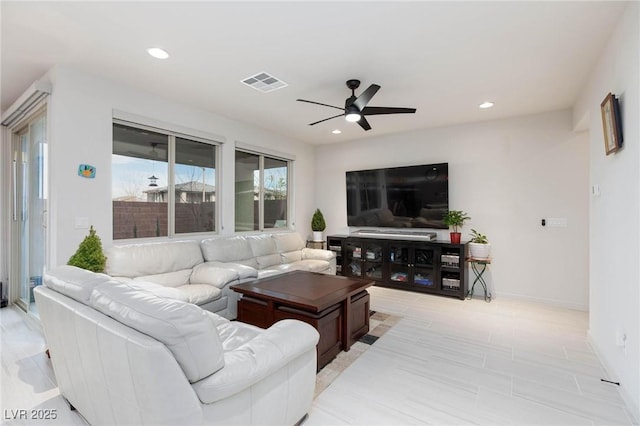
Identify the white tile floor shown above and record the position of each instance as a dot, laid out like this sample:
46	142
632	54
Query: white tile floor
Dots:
507	362
447	361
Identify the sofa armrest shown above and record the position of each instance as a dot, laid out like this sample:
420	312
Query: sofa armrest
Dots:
212	275
320	254
245	366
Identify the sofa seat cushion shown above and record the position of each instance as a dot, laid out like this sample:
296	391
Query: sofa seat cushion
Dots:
74	282
269	272
186	330
135	260
311	265
282	268
243	271
234	334
269	351
169	279
157	289
199	294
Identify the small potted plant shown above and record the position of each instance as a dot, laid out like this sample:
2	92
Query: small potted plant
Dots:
479	247
318	225
89	254
455	219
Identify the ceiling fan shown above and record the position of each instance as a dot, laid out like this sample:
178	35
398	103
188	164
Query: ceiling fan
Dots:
355	108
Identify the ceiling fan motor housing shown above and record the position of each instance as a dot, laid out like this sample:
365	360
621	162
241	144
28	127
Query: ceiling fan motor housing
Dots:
353	84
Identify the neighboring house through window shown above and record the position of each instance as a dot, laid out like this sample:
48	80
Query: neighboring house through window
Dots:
163	183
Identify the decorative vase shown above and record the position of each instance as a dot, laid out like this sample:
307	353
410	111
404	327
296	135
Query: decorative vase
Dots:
317	236
479	251
455	237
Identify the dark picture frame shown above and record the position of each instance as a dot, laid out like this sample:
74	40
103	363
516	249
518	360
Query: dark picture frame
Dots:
611	124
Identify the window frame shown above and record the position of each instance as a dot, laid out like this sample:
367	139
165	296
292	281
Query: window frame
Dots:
171	156
290	164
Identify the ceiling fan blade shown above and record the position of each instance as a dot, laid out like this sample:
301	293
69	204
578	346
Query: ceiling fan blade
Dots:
386	110
318	103
364	123
335	116
366	96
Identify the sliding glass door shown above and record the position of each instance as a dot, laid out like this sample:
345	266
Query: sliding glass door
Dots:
29	204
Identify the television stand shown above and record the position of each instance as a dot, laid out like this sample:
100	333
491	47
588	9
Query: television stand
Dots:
403	262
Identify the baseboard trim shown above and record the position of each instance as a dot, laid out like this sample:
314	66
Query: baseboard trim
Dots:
632	405
545	301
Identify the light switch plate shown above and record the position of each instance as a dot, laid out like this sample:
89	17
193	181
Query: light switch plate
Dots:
82	223
557	222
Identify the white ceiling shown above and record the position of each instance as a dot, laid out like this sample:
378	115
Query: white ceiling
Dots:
443	58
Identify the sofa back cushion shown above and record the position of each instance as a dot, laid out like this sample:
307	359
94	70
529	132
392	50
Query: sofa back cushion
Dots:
135	260
74	282
264	250
232	249
186	330
289	246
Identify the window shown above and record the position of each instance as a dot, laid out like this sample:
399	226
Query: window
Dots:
162	183
261	192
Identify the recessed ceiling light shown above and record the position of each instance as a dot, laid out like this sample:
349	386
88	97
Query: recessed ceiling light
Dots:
336	131
486	105
158	53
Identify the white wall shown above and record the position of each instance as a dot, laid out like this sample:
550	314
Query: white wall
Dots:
615	214
81	132
507	175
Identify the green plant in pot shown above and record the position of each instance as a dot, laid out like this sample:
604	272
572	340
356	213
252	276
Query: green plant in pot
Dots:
479	247
318	225
89	254
455	219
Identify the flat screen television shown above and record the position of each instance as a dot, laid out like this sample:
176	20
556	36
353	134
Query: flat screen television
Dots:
398	197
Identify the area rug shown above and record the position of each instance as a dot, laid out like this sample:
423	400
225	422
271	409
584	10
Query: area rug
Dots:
379	324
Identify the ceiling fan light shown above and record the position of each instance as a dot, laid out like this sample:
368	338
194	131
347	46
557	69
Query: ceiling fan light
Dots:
352	117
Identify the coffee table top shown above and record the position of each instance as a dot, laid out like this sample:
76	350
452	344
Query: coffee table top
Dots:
311	291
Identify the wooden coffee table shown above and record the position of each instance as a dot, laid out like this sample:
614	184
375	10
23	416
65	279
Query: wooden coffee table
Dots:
336	306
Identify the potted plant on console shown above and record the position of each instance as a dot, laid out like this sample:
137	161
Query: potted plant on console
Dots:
318	225
479	247
455	219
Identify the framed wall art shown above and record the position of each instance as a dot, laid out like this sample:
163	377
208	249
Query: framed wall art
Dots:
611	124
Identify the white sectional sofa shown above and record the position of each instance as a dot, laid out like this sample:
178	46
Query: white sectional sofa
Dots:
266	255
178	265
124	354
202	272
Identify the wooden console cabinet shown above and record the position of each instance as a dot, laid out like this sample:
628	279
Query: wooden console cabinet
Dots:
436	267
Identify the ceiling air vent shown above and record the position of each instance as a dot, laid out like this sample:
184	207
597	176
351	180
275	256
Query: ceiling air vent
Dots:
264	82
